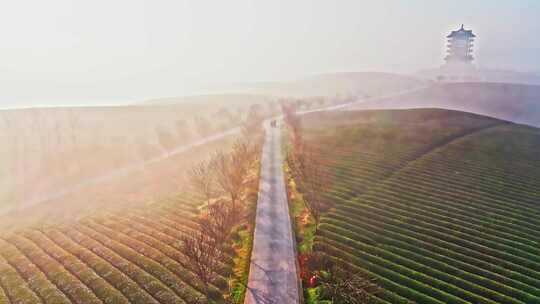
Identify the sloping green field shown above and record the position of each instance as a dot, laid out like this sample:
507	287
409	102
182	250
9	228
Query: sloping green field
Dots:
439	206
115	253
120	257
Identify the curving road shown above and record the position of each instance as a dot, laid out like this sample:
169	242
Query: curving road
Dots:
273	274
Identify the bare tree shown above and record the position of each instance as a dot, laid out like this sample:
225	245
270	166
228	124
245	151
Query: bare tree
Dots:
74	129
320	101
217	222
202	178
39	126
256	112
58	134
244	152
166	139
146	150
308	104
202	125
343	286
241	159
273	107
308	168
5	120
292	120
182	131
226	115
252	128
230	171
202	257
338	284
73	123
12	146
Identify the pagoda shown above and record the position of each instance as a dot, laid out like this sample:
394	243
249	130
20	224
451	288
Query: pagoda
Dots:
460	47
459	58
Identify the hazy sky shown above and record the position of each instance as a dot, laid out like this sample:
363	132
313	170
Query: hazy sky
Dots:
110	51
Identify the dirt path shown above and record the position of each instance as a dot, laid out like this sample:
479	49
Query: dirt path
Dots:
139	166
273	274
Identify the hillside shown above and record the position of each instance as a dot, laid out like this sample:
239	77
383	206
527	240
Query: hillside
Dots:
359	84
489	75
438	206
513	102
208	100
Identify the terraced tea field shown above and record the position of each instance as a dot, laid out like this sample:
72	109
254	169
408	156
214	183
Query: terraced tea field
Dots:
439	206
128	250
121	257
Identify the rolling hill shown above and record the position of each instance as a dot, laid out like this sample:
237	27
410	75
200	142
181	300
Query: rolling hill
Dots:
209	100
359	84
514	102
438	206
489	75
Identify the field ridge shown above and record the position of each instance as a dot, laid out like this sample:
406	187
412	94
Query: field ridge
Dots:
438	145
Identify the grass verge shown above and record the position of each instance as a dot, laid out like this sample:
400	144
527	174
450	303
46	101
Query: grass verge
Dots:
243	240
304	231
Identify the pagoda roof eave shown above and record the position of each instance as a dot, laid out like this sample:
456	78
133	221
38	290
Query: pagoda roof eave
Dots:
461	33
456	34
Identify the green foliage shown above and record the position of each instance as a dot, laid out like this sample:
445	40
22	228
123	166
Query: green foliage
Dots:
303	222
313	296
243	241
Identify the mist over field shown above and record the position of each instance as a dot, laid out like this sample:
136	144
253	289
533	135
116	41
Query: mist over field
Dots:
509	101
59	54
52	150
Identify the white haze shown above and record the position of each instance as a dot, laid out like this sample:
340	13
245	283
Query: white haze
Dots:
72	52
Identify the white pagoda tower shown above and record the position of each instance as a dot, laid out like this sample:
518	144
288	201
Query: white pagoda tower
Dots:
459	57
460	47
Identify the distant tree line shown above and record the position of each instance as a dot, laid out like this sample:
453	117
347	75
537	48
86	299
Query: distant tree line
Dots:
185	131
307	166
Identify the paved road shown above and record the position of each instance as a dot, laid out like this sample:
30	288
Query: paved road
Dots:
273	273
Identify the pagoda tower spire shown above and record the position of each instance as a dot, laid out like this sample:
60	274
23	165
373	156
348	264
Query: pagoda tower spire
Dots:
460	46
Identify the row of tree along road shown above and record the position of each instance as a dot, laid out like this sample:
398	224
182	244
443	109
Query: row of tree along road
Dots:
325	280
222	181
